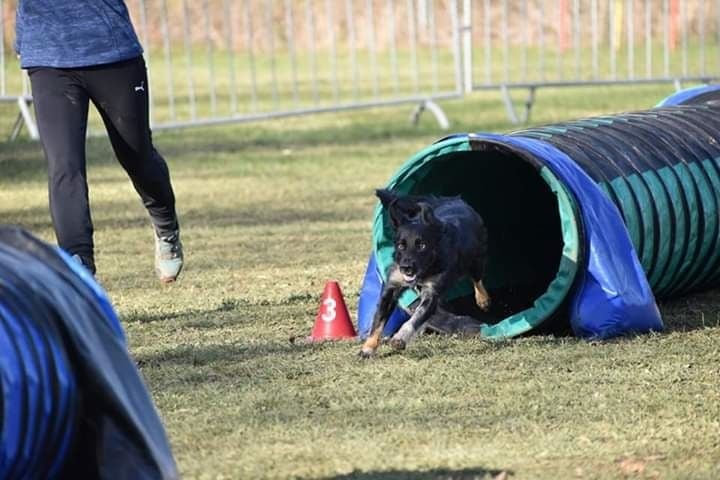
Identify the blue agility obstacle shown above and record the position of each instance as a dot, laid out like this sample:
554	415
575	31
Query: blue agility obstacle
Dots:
588	220
72	403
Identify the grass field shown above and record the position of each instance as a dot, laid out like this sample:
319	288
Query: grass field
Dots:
270	212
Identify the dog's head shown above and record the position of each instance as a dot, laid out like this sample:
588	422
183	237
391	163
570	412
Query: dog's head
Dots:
417	237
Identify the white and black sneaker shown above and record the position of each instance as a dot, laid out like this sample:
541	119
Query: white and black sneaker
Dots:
168	256
85	263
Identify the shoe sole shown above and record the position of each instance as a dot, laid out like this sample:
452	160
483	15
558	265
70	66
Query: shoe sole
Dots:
166	280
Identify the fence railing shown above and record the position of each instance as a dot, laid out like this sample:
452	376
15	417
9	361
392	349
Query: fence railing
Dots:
527	44
221	61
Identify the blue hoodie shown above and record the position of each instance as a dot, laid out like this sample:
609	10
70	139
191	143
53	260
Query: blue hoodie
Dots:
74	33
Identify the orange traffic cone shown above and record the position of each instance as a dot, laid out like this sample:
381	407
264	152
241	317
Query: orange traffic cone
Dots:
333	320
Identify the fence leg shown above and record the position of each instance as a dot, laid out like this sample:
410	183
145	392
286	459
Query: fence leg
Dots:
17	128
510	108
435	109
529	103
26	117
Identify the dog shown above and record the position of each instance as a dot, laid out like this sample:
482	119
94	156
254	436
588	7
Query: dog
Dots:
438	241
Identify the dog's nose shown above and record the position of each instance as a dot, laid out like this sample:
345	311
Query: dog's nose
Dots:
407	269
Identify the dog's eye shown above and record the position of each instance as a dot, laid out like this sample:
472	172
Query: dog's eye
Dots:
420	245
401	246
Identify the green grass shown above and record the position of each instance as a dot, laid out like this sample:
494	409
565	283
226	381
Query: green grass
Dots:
270	212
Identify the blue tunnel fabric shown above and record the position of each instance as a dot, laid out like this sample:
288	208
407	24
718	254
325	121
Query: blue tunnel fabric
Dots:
689	95
72	403
36	382
367	303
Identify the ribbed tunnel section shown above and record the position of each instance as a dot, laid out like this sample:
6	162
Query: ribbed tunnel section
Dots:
661	168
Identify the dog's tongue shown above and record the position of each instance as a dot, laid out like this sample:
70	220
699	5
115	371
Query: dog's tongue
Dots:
409	278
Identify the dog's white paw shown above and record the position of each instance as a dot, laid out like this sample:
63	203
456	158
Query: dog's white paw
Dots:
483	302
366	353
398	344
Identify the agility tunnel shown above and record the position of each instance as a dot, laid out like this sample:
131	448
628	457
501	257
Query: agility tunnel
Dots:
588	220
72	403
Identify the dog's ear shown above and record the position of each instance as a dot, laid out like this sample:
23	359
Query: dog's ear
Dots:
426	214
386	197
397	215
389	202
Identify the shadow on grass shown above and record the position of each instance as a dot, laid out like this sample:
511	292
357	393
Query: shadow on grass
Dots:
203	318
695	311
23	160
216	354
194	313
250	214
436	474
257	214
38	218
367	129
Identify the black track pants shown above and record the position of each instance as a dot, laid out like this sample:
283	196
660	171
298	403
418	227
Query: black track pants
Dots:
120	93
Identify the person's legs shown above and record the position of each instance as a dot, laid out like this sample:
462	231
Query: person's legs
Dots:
120	93
61	110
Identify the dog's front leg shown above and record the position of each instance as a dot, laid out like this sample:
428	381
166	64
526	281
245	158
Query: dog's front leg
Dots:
429	298
388	299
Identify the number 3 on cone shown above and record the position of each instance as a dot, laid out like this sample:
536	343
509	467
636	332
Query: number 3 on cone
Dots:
329	314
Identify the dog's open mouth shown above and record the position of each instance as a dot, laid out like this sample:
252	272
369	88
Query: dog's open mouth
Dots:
409	278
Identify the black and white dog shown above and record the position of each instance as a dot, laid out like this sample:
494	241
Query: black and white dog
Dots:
438	240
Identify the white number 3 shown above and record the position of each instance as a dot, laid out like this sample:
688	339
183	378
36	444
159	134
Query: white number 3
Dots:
329	314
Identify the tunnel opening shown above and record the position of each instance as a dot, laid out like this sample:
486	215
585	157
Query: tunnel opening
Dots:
533	234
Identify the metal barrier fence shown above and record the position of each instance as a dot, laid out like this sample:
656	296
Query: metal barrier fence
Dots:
217	61
528	44
221	61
